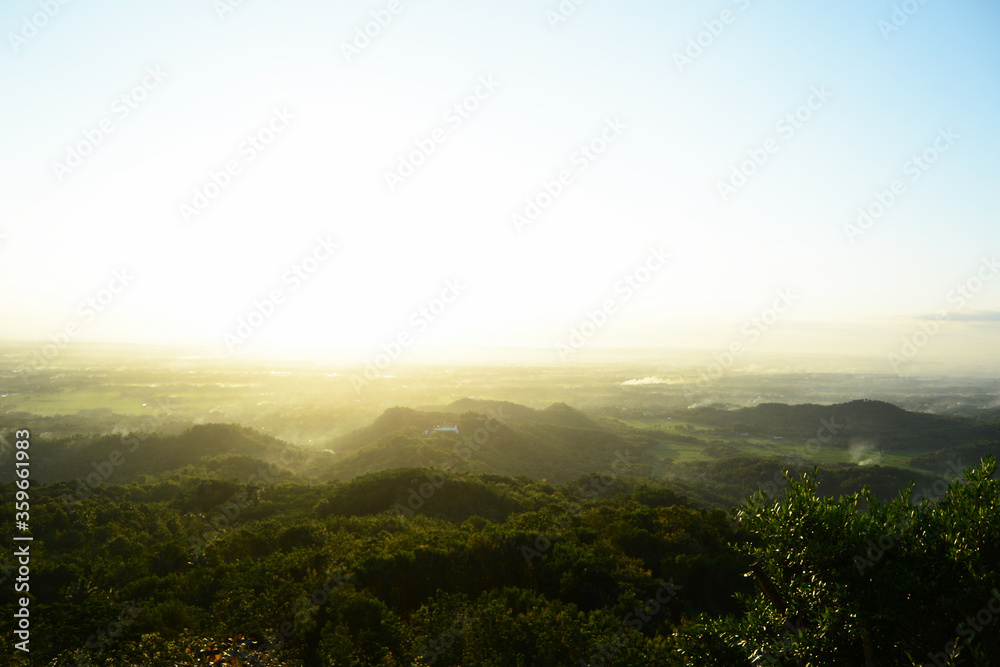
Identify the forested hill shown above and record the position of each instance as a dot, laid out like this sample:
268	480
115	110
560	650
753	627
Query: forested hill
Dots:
707	452
487	533
398	418
418	567
122	458
891	425
557	413
558	443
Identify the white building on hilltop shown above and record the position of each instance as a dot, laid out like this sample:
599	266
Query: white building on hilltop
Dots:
447	428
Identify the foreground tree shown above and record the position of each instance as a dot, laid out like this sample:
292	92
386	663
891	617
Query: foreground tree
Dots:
856	581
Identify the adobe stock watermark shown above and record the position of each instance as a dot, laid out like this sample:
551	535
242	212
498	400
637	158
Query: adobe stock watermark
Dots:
364	35
224	8
966	631
800	460
226	514
419	495
899	17
636	619
551	190
430	651
420	321
219	519
454	117
218	180
913	169
598	486
750	332
930	327
32	25
111	633
772	657
103	470
939	487
877	549
121	108
306	607
787	127
623	290
87	310
562	12
704	39
464	449
292	279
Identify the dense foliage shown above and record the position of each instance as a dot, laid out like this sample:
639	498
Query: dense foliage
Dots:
896	584
419	567
483	570
529	537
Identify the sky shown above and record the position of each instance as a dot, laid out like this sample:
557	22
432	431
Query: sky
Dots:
389	176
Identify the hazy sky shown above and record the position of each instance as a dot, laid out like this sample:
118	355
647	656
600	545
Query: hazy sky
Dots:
121	119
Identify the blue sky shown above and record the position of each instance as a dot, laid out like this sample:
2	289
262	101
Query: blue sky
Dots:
682	132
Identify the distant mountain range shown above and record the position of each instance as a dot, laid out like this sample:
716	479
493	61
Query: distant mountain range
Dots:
558	444
892	426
